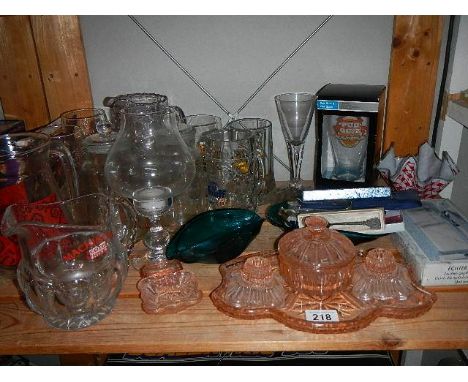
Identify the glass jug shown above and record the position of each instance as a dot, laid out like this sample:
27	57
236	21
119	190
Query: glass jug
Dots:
94	156
86	120
70	137
26	177
73	261
138	102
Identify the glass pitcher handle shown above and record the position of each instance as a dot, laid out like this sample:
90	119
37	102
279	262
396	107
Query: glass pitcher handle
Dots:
126	229
180	114
108	101
61	152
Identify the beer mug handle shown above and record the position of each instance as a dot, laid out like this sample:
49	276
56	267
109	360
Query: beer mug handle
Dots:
126	227
62	154
261	173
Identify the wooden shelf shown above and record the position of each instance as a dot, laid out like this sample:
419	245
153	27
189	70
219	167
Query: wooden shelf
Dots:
202	328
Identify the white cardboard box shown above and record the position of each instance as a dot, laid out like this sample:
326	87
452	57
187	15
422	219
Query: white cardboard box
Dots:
349	217
431	272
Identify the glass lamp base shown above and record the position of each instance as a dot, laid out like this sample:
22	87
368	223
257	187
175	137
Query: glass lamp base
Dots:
164	287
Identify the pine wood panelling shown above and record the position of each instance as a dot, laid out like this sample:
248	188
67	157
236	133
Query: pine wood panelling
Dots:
412	80
62	62
21	88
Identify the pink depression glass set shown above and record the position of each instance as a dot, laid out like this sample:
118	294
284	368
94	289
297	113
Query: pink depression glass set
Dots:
317	268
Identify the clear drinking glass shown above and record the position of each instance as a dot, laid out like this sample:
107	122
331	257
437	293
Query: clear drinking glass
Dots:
295	111
349	137
95	148
202	123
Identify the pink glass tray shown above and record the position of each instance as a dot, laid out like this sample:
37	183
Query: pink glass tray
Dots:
353	313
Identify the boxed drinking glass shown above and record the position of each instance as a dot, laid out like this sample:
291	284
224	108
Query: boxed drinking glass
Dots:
349	128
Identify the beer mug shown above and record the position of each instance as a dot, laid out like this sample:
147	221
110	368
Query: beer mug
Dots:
231	166
261	128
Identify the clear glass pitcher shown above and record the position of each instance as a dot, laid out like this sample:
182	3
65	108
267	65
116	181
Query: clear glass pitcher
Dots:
70	137
26	177
141	102
74	257
95	148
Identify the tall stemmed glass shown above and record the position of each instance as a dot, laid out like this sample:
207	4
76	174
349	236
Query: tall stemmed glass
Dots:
295	111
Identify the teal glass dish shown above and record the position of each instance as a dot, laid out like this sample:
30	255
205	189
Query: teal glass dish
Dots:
214	237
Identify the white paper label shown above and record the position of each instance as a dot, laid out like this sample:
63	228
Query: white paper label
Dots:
322	315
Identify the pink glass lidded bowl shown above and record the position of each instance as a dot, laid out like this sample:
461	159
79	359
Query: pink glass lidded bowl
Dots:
315	260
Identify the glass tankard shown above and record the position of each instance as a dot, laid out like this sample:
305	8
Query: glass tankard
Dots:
74	260
194	201
261	129
231	167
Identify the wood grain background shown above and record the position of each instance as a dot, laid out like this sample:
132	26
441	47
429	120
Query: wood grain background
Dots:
43	68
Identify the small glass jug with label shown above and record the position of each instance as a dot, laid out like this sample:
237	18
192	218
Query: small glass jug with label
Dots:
73	256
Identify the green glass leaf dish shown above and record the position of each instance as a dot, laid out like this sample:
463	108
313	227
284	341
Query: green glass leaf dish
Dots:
214	237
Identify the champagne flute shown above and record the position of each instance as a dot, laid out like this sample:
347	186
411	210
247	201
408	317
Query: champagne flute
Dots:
295	111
